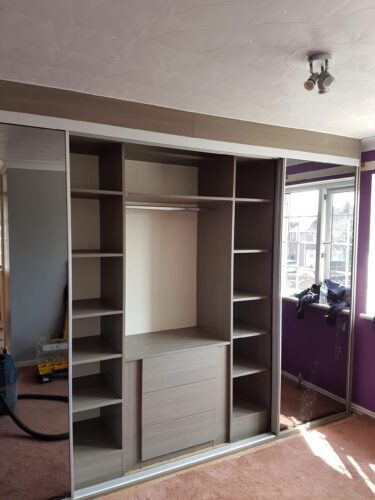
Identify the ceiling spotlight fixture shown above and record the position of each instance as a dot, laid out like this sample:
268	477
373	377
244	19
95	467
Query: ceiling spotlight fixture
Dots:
324	79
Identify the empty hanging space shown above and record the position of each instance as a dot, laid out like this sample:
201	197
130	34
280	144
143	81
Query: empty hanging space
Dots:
178	234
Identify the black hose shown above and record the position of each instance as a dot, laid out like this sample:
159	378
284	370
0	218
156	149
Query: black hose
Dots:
32	433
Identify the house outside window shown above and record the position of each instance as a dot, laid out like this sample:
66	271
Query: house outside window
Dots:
317	234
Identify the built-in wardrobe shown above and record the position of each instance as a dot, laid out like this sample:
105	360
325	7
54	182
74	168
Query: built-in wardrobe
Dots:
172	262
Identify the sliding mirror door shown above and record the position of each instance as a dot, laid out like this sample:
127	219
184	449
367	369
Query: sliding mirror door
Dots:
34	460
317	256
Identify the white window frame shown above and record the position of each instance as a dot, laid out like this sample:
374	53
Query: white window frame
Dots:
326	190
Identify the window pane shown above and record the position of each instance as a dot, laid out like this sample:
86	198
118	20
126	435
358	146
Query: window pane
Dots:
343	203
299	237
342	229
340	255
304	203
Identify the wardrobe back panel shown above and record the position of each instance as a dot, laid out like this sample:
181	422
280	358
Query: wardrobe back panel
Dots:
161	270
85	224
158	178
84	171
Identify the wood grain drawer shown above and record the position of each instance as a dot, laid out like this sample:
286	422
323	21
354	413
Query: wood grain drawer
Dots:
178	402
176	435
181	368
95	471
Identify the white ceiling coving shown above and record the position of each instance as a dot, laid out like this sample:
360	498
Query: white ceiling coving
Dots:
242	59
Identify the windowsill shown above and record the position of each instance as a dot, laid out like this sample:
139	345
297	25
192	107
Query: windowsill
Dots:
317	305
366	316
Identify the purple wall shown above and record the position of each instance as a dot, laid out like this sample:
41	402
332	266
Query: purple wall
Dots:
364	340
315	349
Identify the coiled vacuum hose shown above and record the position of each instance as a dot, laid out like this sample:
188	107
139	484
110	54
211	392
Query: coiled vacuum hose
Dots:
31	432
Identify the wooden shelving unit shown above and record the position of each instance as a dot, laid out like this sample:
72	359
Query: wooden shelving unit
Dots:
121	382
97	201
252	292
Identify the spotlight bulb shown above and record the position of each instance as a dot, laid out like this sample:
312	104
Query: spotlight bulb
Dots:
311	81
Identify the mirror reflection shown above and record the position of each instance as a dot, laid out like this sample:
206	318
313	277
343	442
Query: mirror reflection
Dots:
34	457
316	290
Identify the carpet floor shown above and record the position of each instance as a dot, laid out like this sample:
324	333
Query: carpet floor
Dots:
335	461
31	469
299	406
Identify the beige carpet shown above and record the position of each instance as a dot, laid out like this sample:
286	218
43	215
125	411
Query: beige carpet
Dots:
31	469
332	462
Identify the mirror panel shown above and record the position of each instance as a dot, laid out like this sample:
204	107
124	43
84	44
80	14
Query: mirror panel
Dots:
317	248
34	312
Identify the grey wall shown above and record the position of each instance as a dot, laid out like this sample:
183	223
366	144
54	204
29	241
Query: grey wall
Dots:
37	256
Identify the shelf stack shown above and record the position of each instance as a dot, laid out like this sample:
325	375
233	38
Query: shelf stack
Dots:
97	198
252	304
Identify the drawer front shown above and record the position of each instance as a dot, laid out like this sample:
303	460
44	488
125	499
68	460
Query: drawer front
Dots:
95	471
176	435
178	402
172	370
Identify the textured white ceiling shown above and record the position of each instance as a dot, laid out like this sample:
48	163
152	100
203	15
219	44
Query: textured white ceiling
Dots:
236	58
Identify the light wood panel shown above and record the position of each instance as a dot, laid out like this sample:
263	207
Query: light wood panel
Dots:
26	98
178	402
158	440
148	345
176	369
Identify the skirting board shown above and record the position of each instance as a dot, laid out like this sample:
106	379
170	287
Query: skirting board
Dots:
315	387
359	410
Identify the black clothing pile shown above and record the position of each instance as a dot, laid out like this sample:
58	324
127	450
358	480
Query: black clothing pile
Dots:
308	296
338	297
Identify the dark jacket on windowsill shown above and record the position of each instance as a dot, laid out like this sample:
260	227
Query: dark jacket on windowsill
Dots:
308	296
338	297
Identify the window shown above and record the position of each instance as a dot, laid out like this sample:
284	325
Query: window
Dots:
317	235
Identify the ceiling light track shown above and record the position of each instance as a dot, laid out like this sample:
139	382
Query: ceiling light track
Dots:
323	79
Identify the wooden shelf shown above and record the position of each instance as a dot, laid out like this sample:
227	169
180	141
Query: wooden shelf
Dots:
242	330
240	295
148	345
92	392
243	366
166	199
88	308
248	250
93	193
244	408
93	441
252	200
92	349
95	254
